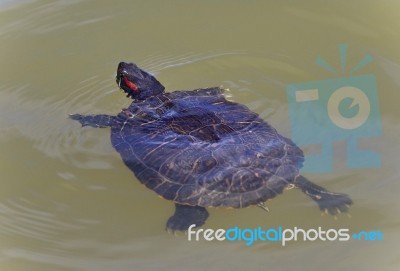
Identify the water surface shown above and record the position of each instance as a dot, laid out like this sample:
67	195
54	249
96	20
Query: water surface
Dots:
67	202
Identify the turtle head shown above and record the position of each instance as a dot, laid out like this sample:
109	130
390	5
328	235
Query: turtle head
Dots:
137	83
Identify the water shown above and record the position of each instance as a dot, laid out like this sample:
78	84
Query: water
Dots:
67	202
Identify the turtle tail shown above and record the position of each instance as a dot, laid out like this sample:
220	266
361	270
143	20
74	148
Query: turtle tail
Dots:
327	201
97	121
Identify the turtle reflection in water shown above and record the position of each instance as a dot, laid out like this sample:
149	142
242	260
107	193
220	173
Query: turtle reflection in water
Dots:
199	150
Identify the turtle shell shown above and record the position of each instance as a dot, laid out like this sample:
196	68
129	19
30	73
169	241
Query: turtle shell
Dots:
197	148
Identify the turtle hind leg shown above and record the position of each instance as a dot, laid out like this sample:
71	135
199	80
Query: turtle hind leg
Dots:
185	216
97	121
327	201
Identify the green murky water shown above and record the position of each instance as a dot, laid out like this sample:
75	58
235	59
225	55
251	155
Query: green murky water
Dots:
67	202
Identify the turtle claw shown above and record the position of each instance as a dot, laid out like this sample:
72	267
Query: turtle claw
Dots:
263	206
334	203
172	232
169	231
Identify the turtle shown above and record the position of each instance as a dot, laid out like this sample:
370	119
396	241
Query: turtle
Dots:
199	150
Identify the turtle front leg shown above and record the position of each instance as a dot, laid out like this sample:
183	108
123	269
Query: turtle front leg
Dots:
97	121
185	216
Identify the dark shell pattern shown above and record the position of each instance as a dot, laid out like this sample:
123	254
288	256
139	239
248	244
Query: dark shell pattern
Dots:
197	148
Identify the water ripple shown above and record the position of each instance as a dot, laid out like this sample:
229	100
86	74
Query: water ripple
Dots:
46	122
158	62
47	18
19	219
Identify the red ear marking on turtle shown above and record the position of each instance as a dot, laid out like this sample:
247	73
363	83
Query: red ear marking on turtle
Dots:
130	85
